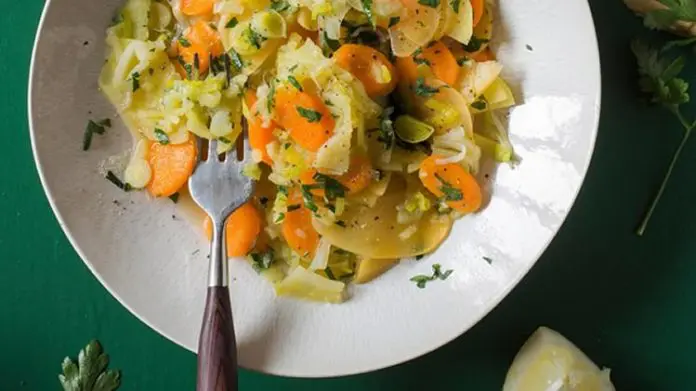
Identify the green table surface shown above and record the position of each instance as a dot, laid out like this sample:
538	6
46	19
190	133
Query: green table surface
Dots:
628	302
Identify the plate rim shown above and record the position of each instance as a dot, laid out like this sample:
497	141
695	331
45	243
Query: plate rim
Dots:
513	283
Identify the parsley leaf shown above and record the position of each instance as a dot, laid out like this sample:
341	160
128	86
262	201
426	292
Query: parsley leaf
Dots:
262	261
658	76
332	188
455	5
270	99
475	44
480	104
328	45
232	23
308	198
91	129
675	10
450	192
111	177
421	280
367	9
295	83
422	89
184	42
419	60
312	116
255	39
236	59
135	79
161	136
279	5
175	198
90	373
429	3
394	20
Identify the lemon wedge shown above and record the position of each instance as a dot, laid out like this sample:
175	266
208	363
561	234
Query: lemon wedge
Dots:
549	362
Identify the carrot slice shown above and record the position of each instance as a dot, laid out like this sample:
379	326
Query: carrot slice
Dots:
452	182
242	229
259	136
171	165
197	7
368	65
483	55
298	230
479	8
305	117
200	40
437	56
358	177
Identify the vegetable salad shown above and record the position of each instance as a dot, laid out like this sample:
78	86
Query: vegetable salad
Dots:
367	120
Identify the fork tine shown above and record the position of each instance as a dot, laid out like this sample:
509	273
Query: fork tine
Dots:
212	150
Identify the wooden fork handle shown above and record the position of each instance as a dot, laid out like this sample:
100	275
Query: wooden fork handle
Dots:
217	348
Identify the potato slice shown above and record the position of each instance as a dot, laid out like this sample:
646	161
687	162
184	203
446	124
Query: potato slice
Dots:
374	232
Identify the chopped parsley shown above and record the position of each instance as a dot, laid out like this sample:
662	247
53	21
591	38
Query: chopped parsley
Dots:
310	115
184	42
424	90
490	261
386	128
294	207
270	99
280	218
255	39
174	197
161	136
92	128
429	3
135	79
292	80
394	20
475	44
308	198
455	5
419	60
224	140
111	177
421	280
480	104
262	261
332	188
450	192
328	45
462	60
236	59
367	9
280	5
283	190
233	22
340	223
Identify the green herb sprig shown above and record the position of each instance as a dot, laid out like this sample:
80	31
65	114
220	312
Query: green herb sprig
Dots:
90	372
422	280
660	81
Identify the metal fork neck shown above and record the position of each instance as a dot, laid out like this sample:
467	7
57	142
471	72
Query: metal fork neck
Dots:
218	272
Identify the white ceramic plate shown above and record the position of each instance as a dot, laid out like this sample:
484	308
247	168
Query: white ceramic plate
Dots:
150	260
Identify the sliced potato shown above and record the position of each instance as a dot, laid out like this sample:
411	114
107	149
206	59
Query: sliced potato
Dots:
369	269
476	78
447	96
374	233
304	284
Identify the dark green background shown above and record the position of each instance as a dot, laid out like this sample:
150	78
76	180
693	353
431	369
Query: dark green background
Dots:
629	302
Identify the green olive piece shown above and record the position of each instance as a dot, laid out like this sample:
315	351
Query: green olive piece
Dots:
412	130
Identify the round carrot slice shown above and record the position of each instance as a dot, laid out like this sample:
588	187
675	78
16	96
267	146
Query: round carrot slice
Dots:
368	65
171	165
241	230
259	135
201	41
479	8
298	230
436	56
305	117
197	7
451	182
358	177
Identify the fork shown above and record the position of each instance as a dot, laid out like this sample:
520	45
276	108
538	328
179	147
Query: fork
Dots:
219	188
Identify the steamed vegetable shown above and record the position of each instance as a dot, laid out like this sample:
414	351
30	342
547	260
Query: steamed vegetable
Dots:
171	165
241	230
